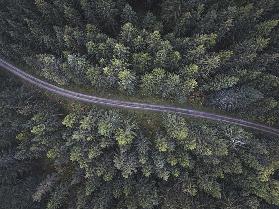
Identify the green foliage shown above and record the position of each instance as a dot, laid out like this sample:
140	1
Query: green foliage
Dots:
105	158
123	137
119	45
19	178
152	83
126	81
223	54
128	15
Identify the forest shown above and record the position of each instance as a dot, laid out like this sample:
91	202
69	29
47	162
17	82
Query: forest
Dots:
220	56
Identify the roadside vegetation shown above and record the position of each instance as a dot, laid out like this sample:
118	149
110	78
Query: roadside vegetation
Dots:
219	55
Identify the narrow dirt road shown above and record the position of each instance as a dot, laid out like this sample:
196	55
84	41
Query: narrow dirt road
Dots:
133	105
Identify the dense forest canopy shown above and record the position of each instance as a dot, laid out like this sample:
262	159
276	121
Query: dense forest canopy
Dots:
216	54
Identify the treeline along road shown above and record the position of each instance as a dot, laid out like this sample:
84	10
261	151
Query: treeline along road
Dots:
132	105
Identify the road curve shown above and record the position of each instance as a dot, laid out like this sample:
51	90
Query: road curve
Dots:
133	105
